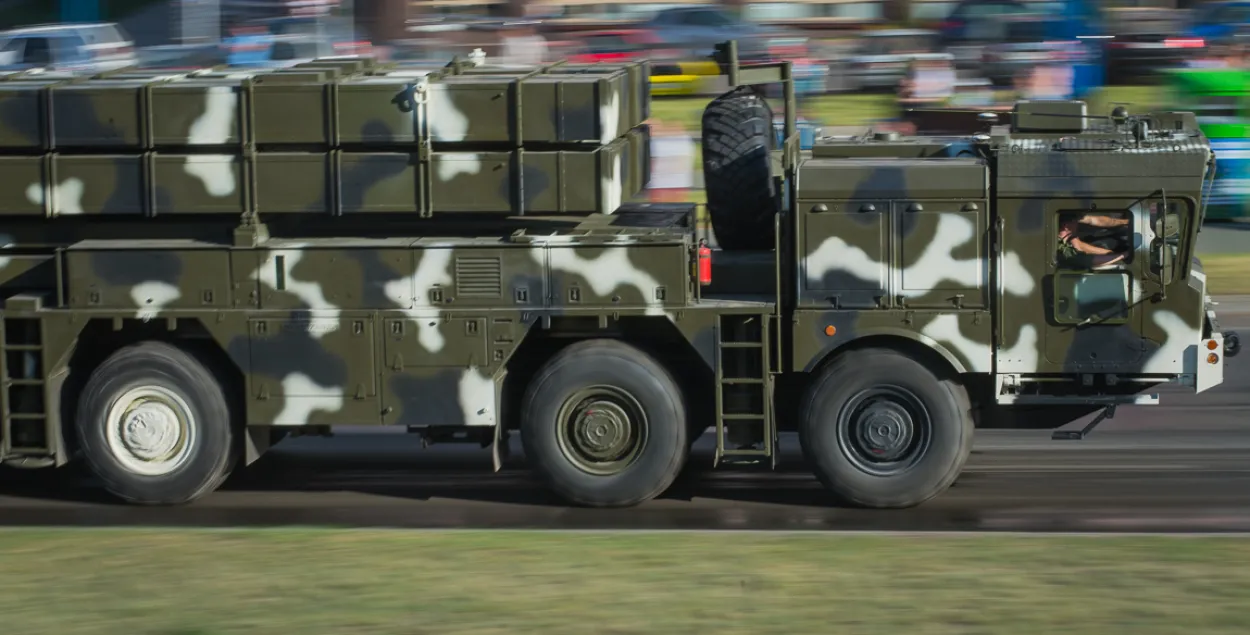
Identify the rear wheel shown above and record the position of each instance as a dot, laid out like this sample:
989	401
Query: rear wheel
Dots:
604	425
738	139
154	425
882	430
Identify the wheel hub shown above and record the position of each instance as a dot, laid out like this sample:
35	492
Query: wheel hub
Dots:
886	430
151	431
601	430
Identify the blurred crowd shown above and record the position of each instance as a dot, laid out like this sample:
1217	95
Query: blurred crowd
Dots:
979	53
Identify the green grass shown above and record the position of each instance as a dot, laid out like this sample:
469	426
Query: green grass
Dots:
1227	274
363	583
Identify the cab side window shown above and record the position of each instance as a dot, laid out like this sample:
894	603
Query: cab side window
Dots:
1094	251
1094	241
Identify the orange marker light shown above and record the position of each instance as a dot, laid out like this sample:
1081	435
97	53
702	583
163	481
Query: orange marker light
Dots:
1211	345
830	330
1212	358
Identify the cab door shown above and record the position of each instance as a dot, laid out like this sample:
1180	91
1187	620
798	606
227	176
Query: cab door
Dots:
1094	309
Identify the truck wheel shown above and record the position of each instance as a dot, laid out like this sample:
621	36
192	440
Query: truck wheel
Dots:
883	431
155	426
738	139
605	425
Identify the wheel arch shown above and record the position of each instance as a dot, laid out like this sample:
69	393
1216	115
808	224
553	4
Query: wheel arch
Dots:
933	354
656	336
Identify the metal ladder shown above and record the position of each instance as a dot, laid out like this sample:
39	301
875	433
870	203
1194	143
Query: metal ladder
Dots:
744	387
23	407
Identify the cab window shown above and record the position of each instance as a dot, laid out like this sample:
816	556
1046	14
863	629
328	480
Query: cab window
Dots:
1101	297
1094	241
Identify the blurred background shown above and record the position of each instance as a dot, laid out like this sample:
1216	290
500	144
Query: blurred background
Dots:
859	62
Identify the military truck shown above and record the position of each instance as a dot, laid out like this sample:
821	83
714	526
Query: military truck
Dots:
197	264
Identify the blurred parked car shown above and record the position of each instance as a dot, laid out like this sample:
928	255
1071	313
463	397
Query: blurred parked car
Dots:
620	45
699	28
1024	45
880	59
79	47
1031	42
1219	22
1146	42
974	24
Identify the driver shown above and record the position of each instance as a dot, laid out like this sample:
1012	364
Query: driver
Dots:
1100	252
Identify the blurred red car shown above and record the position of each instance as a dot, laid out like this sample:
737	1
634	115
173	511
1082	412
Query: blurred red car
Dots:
619	45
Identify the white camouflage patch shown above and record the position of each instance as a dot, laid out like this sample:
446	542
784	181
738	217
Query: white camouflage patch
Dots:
152	297
477	398
301	396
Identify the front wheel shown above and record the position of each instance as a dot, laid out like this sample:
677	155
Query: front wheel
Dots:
883	431
604	424
154	425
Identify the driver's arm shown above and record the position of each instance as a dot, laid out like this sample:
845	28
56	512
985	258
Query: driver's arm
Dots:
1098	220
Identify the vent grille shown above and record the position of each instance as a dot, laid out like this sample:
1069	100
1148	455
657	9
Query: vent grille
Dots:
479	277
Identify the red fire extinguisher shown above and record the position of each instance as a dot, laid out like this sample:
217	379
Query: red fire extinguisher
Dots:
705	263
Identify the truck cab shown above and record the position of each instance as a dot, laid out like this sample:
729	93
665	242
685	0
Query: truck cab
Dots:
1036	271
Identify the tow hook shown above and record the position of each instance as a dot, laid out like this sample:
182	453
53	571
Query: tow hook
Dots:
1232	344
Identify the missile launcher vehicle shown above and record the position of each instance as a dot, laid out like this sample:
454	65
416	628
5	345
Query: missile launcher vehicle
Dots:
198	264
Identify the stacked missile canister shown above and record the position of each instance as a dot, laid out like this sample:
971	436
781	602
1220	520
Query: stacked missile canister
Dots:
338	136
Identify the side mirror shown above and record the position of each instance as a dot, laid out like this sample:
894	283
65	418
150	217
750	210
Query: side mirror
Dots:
1167	226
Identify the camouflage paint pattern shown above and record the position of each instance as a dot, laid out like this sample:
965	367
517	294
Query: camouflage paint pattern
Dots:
395	331
900	238
325	139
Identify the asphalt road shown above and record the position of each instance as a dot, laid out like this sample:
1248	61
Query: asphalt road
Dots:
1183	465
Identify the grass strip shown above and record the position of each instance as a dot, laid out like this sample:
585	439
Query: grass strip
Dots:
1227	274
367	582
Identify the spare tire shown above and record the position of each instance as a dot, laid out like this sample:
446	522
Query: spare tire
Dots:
738	140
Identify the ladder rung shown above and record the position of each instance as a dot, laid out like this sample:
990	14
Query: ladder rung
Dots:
20	416
741	380
23	347
15	453
743	417
741	345
25	382
760	452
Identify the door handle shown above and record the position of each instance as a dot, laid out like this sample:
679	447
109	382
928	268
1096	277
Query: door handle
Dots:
915	207
820	208
867	208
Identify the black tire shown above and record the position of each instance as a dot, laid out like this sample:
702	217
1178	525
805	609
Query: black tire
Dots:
926	462
738	139
630	386
171	374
